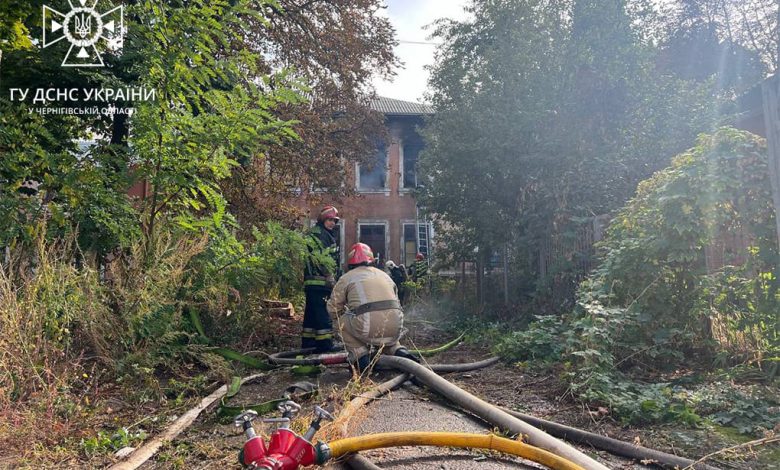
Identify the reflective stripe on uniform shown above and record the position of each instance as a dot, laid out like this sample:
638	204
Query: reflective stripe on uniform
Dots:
317	334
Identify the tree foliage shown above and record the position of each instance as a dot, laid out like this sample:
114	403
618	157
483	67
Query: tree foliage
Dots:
239	85
654	256
335	47
209	115
736	38
215	106
548	111
656	302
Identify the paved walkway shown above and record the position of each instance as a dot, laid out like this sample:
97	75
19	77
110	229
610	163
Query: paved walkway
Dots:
404	410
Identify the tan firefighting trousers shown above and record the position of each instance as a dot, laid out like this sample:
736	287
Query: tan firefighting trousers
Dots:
379	329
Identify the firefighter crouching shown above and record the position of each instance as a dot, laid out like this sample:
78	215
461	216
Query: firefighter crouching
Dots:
371	317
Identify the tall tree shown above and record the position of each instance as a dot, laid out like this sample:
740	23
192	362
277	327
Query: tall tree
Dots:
215	105
335	47
547	111
722	38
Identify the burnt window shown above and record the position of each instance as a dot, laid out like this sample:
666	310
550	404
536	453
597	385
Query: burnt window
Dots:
373	175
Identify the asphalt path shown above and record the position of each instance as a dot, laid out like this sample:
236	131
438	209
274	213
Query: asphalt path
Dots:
409	409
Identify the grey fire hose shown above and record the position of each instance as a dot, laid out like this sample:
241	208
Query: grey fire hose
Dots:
291	358
490	413
608	444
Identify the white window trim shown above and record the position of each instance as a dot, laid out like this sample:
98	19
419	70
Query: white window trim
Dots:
384	222
386	189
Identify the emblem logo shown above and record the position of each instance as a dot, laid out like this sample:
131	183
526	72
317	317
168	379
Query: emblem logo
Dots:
83	27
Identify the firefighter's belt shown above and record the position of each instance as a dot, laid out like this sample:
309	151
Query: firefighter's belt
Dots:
380	305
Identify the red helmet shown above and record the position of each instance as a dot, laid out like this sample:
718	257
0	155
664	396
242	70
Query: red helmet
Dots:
360	253
419	257
328	212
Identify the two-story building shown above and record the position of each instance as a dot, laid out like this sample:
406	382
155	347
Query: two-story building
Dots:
384	214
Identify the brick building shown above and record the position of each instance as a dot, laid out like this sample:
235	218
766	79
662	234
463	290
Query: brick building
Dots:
384	214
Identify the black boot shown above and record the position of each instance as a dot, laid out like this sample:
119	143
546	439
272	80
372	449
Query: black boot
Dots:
404	353
363	363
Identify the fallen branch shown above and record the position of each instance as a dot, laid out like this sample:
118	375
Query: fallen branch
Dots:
145	452
758	442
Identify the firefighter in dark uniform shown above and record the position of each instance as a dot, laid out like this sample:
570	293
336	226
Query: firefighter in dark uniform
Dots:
318	282
419	270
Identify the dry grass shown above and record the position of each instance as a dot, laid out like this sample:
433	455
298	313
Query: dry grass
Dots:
65	326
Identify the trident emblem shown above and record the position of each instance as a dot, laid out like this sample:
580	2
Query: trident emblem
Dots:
83	25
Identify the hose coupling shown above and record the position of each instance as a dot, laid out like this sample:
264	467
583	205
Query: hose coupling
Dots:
323	452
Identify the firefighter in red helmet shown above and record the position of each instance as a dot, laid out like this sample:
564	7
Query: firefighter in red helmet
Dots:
365	300
318	281
419	269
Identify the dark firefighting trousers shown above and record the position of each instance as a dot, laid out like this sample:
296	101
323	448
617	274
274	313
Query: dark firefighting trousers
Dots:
317	324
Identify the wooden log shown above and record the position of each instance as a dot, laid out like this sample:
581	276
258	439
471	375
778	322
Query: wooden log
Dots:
147	451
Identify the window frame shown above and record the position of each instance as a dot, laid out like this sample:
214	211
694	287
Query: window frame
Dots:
413	223
383	222
402	187
386	188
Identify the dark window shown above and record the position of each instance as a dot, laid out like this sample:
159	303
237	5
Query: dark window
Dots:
374	236
372	174
411	152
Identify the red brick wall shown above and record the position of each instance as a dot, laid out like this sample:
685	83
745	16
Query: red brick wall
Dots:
393	206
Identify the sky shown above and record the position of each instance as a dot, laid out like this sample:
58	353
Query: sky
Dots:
409	17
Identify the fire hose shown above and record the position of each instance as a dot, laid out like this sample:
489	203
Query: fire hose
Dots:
292	357
490	413
612	445
287	450
307	365
341	447
618	447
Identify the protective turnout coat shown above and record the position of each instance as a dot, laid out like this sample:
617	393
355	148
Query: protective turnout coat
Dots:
369	313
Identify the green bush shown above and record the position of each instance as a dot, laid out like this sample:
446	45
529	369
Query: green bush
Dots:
653	304
540	343
654	264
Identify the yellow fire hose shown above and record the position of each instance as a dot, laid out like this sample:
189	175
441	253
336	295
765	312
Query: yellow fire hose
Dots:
349	445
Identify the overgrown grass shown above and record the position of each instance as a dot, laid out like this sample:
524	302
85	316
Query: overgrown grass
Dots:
49	310
77	333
